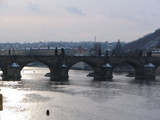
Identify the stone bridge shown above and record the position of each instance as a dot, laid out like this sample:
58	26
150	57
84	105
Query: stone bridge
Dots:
59	66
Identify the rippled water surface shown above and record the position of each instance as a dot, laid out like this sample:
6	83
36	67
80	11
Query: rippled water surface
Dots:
79	98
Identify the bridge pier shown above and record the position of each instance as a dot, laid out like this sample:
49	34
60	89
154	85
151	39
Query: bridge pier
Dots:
59	73
147	73
11	73
103	73
139	73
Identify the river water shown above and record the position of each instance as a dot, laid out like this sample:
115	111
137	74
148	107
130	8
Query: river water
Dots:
80	98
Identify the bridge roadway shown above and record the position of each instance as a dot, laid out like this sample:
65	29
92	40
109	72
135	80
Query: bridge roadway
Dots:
59	66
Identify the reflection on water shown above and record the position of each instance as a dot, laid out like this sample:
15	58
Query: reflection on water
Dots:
79	98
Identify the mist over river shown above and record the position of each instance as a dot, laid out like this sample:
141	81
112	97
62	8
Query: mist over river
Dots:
79	98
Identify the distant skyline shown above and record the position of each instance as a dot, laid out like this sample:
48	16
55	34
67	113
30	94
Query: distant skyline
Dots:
77	20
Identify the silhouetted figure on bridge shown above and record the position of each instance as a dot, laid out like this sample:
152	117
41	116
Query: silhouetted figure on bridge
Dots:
149	53
9	52
106	53
99	53
62	52
56	52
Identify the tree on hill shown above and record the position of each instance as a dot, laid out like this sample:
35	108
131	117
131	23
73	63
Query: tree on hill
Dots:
96	47
158	45
117	50
140	53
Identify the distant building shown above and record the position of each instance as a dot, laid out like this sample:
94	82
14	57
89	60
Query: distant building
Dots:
155	52
81	52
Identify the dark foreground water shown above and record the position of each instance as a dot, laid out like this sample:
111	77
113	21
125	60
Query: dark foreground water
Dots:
81	98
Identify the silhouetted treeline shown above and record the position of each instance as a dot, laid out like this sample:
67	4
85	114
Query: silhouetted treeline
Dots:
145	42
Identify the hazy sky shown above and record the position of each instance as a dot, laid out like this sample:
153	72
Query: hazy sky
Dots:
77	20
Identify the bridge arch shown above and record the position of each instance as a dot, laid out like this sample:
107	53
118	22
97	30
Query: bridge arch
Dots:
92	65
25	63
131	68
81	65
35	66
134	64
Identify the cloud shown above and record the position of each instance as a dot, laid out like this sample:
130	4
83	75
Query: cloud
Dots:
1	1
75	11
34	7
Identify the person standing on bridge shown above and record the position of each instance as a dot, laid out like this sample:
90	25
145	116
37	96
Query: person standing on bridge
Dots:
56	52
62	52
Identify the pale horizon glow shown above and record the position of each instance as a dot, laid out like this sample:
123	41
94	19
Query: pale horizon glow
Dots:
77	20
